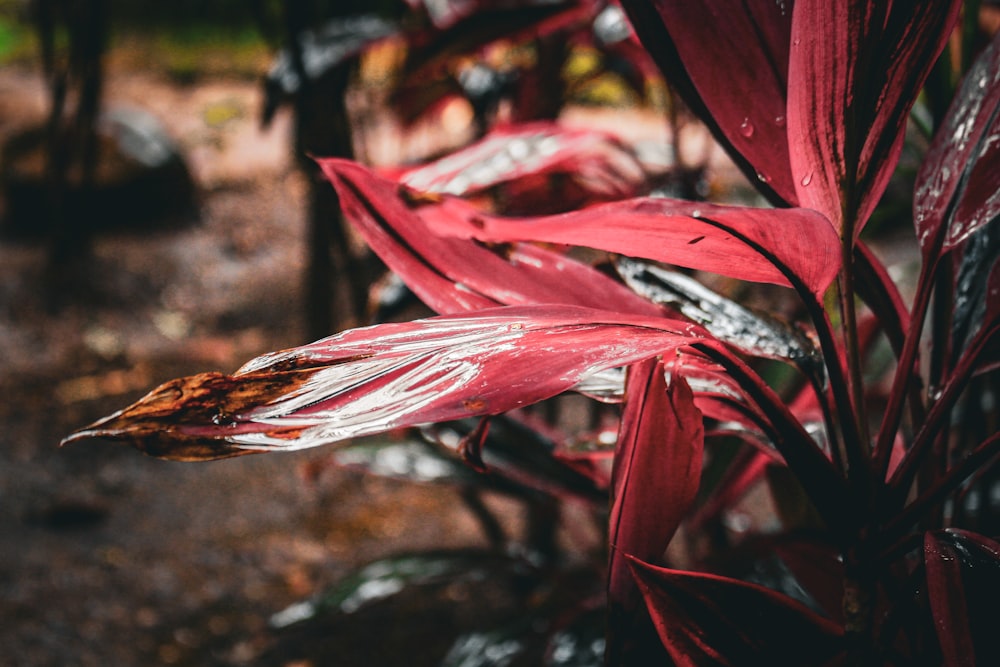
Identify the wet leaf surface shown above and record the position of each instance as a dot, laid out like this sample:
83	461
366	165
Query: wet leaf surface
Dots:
597	160
779	246
755	334
854	72
963	580
979	257
455	275
958	184
738	87
371	380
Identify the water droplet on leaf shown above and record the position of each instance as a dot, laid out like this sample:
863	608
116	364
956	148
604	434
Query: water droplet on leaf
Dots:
779	120
807	179
746	128
763	178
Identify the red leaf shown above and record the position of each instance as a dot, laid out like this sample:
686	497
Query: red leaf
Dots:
963	578
879	291
705	619
854	71
454	275
656	471
599	162
780	246
374	379
729	61
958	186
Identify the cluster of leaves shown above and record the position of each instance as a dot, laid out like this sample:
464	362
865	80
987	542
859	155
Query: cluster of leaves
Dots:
811	99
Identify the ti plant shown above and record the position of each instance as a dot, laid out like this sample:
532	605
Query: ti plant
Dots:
812	99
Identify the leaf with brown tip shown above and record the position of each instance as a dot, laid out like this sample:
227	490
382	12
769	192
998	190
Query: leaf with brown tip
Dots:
375	379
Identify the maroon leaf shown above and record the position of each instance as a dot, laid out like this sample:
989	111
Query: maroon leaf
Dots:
656	471
806	458
958	187
705	619
963	579
854	71
729	61
597	161
879	291
791	247
371	380
456	275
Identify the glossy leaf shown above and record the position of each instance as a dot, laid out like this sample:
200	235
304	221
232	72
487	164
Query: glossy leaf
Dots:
596	160
453	275
729	61
958	187
656	472
791	247
963	580
704	619
371	380
754	334
979	257
854	71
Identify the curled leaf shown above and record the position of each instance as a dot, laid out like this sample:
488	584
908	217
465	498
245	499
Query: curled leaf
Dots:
656	473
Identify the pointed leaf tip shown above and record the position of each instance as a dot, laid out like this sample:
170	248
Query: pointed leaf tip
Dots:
375	379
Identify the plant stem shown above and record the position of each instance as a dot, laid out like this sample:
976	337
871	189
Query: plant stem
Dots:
904	371
858	453
859	598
